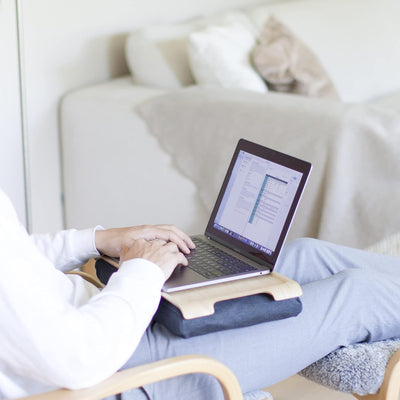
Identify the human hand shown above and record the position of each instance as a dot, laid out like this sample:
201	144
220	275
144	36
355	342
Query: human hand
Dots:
164	254
111	241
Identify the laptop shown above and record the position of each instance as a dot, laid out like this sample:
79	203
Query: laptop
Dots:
250	220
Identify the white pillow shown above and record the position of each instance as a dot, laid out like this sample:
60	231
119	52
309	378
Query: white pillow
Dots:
220	56
157	55
356	41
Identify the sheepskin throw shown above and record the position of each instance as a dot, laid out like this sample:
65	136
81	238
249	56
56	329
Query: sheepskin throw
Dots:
358	369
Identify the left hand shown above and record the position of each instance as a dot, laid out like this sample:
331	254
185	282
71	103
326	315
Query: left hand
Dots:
166	255
111	241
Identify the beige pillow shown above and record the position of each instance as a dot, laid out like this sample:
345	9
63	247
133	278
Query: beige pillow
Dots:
288	65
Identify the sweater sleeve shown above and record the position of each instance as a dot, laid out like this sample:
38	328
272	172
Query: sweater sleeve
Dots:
46	337
69	248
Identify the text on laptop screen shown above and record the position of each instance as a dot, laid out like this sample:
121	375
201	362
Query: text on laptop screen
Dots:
257	201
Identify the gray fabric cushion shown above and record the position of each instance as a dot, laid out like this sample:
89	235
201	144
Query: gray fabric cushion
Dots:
229	314
359	368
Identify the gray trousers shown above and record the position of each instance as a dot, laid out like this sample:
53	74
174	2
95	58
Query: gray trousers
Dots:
349	296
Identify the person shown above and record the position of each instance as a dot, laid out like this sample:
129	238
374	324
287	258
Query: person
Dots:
58	330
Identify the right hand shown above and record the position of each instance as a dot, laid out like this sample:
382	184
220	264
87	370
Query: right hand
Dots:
164	254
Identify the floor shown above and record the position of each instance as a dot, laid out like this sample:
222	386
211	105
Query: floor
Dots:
299	388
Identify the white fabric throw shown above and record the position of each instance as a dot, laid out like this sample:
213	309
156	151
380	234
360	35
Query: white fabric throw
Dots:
353	195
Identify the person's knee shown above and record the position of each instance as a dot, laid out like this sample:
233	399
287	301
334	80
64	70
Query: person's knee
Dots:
306	242
303	246
359	280
308	259
295	257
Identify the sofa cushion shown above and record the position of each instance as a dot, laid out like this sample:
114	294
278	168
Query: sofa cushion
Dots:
157	55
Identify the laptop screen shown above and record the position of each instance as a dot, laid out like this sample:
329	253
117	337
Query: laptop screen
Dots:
258	200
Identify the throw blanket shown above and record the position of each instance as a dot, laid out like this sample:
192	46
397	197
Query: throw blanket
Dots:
353	195
359	368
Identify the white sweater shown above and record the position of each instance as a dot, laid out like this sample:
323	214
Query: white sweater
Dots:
58	330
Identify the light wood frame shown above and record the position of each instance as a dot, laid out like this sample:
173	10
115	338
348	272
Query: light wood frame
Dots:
149	373
390	388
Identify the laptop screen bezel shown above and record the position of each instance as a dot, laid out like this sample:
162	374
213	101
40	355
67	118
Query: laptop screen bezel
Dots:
279	158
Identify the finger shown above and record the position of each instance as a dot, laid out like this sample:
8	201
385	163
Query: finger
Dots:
167	235
183	260
172	247
179	257
173	234
182	235
159	242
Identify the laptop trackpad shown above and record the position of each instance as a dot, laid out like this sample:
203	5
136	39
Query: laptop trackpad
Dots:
181	277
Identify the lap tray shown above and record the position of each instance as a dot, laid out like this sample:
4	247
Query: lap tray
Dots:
227	305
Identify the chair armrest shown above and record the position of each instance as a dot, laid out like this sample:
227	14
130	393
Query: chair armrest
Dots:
88	277
390	388
150	373
88	272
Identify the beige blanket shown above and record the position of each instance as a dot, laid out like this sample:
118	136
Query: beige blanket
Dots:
353	196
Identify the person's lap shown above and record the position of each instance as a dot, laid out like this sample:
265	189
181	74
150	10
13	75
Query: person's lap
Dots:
348	296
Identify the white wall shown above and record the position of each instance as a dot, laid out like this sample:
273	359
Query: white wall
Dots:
11	149
68	44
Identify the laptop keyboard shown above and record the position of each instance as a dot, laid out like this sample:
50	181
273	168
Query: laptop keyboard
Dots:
212	262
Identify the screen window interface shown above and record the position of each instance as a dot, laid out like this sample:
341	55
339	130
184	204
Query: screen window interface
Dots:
257	201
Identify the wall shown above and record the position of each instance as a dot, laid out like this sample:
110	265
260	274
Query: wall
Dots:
68	44
11	149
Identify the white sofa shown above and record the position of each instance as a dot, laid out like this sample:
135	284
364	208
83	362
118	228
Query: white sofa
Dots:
121	167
